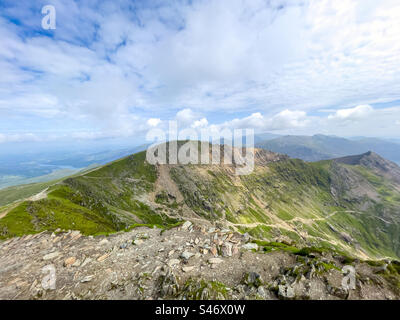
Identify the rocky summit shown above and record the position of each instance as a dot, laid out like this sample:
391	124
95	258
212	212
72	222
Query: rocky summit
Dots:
186	262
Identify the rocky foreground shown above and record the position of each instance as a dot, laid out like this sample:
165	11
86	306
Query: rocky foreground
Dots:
188	262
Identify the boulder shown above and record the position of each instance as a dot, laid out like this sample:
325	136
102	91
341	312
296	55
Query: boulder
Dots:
286	292
226	249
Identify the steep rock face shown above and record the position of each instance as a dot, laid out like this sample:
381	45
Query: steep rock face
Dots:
381	166
346	184
349	204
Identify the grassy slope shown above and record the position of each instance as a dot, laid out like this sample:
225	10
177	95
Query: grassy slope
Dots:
101	201
12	194
23	191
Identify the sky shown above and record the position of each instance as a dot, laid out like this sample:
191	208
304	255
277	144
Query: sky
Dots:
116	69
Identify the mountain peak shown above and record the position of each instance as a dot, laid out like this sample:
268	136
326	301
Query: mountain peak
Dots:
359	159
375	162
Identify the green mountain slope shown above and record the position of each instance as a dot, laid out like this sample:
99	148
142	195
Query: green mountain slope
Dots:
349	204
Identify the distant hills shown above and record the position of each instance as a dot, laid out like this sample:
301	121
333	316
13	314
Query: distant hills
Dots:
322	147
41	166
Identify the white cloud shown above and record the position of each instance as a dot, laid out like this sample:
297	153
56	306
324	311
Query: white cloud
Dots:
186	117
360	120
288	119
355	113
108	68
202	123
153	122
285	119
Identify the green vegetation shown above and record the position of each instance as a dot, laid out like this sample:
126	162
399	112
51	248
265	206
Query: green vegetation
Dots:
272	246
11	194
194	289
20	192
101	201
314	198
390	270
328	205
51	214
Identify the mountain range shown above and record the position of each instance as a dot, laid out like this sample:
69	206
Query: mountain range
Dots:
322	147
349	204
42	165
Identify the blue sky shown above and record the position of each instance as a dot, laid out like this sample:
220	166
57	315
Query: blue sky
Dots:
115	69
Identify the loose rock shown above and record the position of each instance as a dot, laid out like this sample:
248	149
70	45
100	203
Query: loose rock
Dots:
51	255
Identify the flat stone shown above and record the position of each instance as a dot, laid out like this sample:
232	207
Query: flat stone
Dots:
215	260
69	261
250	246
77	263
173	262
186	255
56	239
187	269
87	279
186	225
76	236
51	255
75	233
123	245
87	260
103	257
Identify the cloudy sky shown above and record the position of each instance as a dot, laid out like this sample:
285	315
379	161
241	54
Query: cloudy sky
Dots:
118	68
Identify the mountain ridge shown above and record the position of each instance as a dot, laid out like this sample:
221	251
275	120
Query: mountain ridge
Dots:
322	147
309	203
